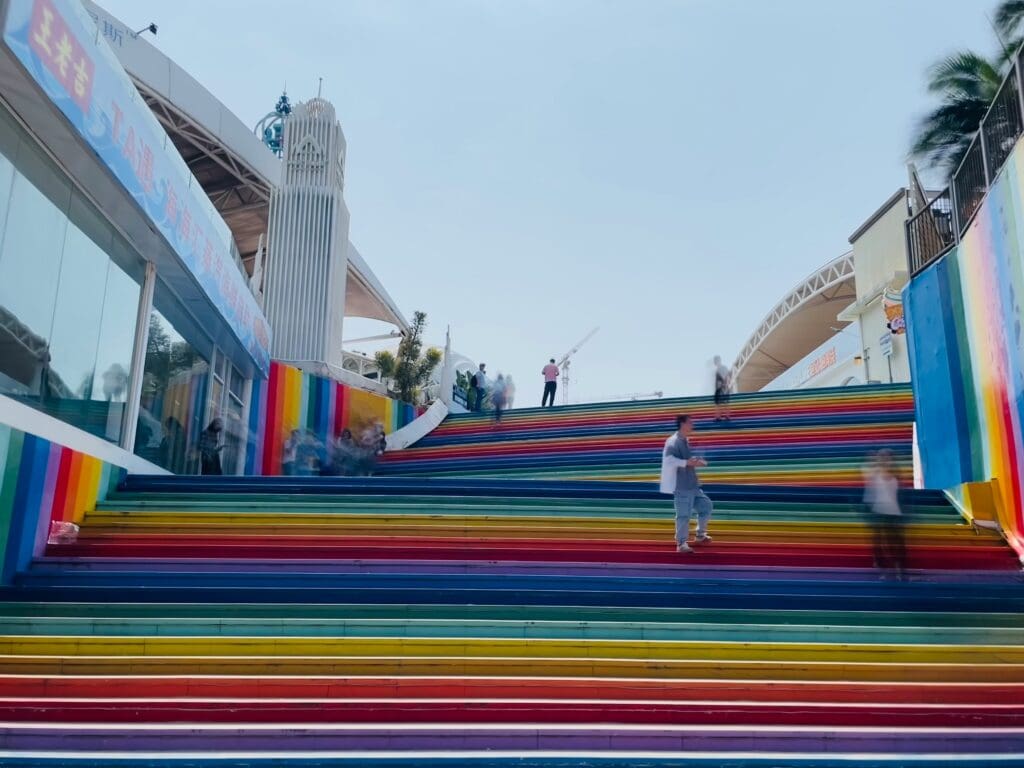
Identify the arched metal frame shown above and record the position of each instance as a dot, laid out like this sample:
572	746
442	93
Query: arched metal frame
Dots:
833	274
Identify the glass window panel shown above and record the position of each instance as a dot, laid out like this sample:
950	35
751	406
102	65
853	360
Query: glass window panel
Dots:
29	267
237	385
30	259
76	332
6	180
114	350
174	388
65	308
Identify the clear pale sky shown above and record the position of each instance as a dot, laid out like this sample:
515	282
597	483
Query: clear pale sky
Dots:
524	170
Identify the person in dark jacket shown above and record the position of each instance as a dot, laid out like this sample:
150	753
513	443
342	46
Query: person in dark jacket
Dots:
210	448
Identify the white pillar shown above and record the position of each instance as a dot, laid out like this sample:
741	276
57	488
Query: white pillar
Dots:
138	365
306	262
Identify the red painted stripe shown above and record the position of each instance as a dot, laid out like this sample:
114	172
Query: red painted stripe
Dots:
340	413
532	688
661	416
527	712
63	498
271	449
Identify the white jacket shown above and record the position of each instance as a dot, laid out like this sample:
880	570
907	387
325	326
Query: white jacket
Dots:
669	469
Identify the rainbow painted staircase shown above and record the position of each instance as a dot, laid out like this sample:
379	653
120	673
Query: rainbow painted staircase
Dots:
412	621
809	437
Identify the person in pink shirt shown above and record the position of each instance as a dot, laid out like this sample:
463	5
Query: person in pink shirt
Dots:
550	383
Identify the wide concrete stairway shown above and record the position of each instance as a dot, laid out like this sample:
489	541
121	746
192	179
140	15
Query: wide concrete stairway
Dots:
807	437
407	621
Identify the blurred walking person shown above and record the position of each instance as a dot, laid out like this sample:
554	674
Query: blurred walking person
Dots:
550	374
881	496
723	390
499	397
679	479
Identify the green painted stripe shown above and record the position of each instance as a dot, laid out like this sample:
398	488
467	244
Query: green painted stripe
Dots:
435	628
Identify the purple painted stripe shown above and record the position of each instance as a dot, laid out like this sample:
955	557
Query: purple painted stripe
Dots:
455	738
46	503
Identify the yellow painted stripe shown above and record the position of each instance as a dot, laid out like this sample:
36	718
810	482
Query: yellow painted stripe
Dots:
510	648
967	672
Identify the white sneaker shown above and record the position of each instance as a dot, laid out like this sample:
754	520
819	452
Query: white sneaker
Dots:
684	548
704	539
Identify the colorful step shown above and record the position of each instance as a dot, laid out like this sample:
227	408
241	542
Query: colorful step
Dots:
495	620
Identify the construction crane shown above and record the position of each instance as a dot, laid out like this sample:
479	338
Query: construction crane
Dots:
636	396
563	364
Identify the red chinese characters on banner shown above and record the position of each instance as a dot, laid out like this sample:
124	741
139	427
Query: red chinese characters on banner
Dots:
61	53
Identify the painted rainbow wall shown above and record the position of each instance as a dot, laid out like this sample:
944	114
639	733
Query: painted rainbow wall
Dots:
966	342
41	482
290	399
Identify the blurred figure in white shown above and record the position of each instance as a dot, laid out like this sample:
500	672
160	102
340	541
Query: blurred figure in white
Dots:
881	497
510	392
499	395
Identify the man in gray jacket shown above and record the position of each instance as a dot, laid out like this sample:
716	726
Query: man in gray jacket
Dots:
679	478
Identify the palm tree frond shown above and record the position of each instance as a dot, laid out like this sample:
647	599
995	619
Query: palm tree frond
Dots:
1008	18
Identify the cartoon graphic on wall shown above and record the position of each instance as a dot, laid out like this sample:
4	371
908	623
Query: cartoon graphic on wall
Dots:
892	304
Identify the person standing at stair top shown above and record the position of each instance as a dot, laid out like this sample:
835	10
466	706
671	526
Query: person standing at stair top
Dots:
723	388
479	384
679	478
550	373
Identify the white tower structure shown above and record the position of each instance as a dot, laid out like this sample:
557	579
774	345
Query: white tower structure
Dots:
307	251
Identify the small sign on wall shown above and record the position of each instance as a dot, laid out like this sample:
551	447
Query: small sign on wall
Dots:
885	342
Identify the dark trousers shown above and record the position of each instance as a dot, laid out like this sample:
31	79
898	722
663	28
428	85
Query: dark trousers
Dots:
479	404
549	391
890	547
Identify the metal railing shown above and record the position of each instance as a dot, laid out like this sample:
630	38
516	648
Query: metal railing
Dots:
969	185
931	231
1002	125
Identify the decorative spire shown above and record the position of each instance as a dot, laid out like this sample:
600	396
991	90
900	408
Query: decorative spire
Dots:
283	107
270	129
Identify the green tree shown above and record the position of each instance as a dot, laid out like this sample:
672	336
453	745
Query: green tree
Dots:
1008	20
965	83
409	370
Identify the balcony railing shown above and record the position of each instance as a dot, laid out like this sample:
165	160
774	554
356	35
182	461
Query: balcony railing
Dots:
930	231
933	230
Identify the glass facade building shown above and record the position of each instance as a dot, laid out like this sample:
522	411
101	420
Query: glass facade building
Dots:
123	312
69	294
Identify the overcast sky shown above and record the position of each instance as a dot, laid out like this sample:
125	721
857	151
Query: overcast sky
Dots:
525	170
